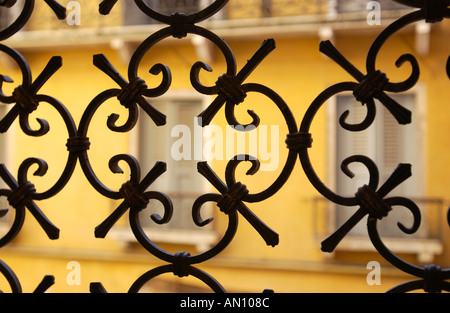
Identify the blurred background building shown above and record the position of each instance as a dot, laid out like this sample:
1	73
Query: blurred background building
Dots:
298	72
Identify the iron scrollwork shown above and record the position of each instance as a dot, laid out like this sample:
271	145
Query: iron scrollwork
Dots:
22	193
372	202
230	90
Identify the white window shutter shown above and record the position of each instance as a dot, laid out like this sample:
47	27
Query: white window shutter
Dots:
182	183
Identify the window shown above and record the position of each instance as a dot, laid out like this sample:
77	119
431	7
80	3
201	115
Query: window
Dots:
387	143
181	182
358	6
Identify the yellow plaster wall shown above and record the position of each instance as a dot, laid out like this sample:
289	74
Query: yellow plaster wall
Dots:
298	72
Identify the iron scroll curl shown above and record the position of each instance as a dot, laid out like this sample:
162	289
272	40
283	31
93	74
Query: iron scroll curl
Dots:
231	83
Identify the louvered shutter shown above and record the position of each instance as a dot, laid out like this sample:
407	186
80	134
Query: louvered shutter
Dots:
182	183
353	143
387	143
400	144
186	182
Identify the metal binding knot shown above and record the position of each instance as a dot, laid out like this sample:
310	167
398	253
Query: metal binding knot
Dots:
25	99
372	84
77	145
231	89
372	203
178	22
133	197
19	196
181	264
228	202
299	141
432	277
129	93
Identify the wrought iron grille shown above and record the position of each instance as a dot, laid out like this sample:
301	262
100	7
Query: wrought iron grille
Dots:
230	90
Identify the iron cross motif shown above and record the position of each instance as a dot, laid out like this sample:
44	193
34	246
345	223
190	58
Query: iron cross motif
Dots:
22	193
232	200
372	85
229	87
135	195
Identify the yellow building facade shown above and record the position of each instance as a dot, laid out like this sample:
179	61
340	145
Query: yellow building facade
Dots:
298	72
